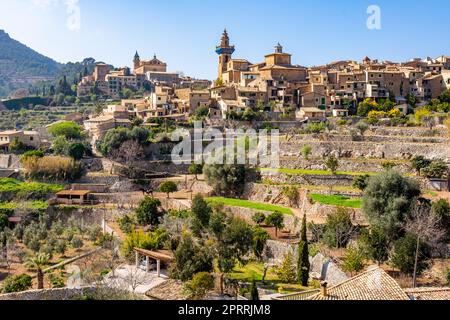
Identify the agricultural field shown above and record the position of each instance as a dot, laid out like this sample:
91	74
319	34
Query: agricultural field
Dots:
37	117
249	205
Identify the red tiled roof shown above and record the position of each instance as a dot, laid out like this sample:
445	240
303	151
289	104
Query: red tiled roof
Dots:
374	284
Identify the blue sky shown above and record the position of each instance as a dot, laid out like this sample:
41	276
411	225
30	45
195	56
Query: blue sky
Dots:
184	33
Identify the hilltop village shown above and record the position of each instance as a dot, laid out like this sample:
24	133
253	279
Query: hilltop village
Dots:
93	207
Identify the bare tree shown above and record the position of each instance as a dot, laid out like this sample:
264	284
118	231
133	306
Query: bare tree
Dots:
428	228
129	152
135	277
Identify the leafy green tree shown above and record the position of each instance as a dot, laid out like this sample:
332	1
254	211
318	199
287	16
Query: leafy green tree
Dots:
217	224
234	244
17	146
201	210
259	218
360	182
404	254
226	180
354	260
67	129
338	229
286	272
388	202
260	237
191	259
200	285
303	265
201	112
376	245
441	209
332	164
362	127
292	194
148	212
254	294
76	151
17	283
168	187
437	169
276	220
196	169
418	163
139	239
306	152
366	106
411	100
37	263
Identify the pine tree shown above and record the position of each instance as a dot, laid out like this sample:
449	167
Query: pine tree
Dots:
303	257
254	294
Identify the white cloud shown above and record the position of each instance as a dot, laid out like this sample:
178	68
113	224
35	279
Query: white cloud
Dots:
73	11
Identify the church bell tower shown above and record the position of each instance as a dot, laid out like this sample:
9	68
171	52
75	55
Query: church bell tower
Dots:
225	51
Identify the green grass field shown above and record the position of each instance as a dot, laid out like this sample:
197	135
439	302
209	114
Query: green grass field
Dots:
17	186
35	205
249	204
315	172
254	271
339	201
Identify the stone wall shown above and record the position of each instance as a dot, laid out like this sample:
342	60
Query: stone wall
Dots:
347	165
49	294
314	211
313	180
371	150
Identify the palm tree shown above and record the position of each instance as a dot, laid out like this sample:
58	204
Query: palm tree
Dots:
37	263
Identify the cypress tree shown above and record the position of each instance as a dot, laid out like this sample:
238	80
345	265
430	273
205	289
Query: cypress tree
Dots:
254	295
303	256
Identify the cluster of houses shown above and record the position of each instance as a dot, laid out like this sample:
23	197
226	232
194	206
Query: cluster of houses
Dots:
275	85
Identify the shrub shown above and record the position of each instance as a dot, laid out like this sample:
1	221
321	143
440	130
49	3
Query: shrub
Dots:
286	272
361	182
437	169
354	260
52	168
140	239
316	127
200	285
17	283
259	218
126	223
441	209
76	243
306	152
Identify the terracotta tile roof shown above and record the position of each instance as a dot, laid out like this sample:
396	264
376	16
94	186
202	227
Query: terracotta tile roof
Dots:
168	290
374	284
429	293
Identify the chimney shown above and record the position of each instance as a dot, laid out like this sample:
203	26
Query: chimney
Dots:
323	288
